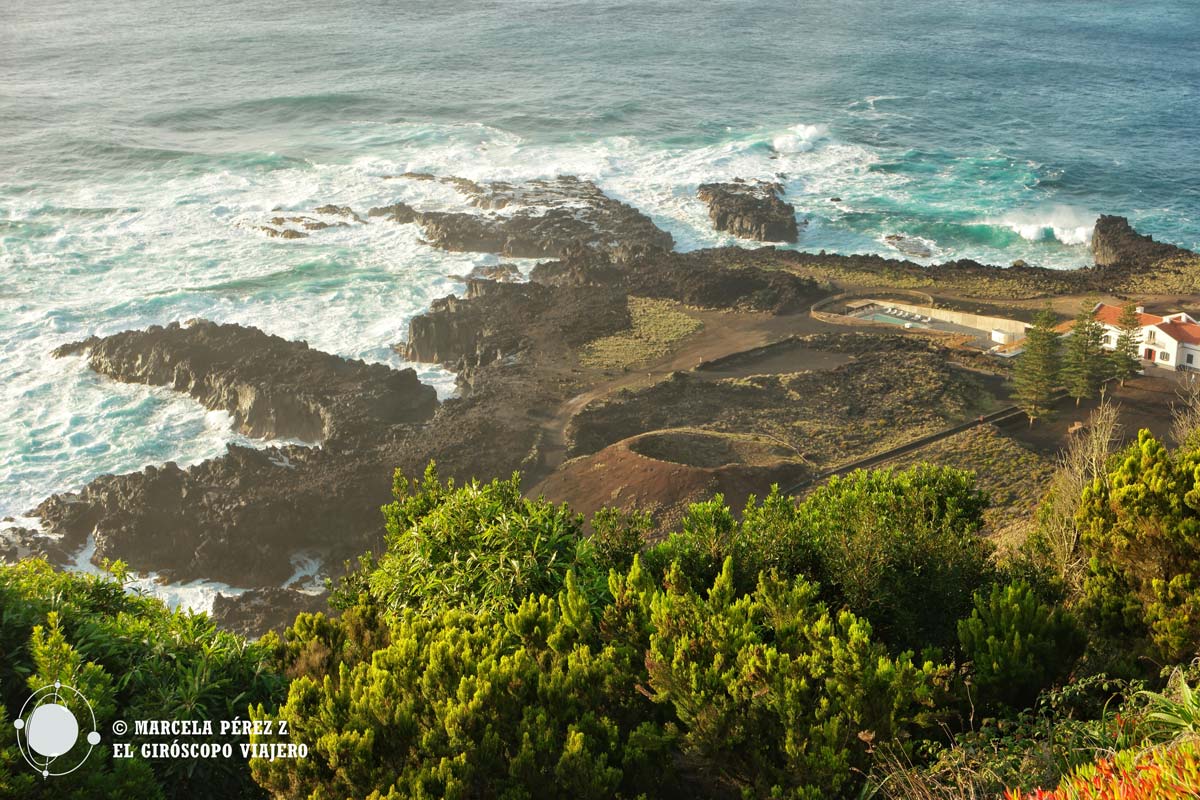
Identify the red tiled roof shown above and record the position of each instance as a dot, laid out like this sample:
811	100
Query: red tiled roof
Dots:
1110	314
1187	332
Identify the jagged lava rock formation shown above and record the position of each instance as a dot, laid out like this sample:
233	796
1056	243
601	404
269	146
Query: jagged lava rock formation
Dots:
1116	243
273	388
544	218
751	210
239	518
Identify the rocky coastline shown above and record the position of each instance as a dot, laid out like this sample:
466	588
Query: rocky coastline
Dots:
526	398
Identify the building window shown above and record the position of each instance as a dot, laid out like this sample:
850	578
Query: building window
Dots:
1164	357
1150	337
1107	339
1189	358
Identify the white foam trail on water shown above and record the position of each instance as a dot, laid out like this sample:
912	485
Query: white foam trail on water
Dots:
309	573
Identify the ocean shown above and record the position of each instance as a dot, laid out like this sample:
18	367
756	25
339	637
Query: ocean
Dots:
142	143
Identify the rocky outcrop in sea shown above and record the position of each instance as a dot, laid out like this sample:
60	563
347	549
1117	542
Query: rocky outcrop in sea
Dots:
240	517
751	210
273	388
541	219
1116	243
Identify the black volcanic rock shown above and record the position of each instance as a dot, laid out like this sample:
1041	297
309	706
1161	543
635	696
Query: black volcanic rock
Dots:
257	611
1116	243
238	518
17	543
273	387
499	320
401	213
704	278
545	219
339	211
282	233
505	273
750	210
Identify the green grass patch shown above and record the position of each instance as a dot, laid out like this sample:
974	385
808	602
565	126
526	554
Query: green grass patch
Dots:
656	326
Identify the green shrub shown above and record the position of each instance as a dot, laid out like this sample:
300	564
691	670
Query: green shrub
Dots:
569	697
1017	645
619	536
775	693
1141	531
709	535
537	702
482	547
133	659
902	549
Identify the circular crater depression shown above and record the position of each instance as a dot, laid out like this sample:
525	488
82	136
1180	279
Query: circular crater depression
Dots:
709	450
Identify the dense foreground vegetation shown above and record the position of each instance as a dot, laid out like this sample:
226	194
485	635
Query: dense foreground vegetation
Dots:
865	641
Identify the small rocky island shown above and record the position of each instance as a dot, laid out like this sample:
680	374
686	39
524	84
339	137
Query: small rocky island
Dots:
751	210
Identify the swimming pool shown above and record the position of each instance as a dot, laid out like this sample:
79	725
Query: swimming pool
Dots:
879	316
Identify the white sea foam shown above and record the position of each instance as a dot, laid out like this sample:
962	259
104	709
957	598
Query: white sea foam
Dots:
800	139
1066	224
199	595
309	573
195	596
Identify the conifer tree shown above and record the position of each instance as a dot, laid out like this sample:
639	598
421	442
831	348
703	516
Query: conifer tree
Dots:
1085	364
1037	369
1124	360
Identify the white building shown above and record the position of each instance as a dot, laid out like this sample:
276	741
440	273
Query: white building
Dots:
1170	342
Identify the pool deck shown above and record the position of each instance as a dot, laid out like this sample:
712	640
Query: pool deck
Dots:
979	338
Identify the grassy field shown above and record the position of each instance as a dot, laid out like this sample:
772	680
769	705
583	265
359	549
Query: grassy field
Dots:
656	326
1013	475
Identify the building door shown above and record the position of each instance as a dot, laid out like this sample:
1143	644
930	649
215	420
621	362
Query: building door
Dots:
1149	354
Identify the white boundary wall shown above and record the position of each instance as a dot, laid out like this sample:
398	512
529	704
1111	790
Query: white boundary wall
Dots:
976	321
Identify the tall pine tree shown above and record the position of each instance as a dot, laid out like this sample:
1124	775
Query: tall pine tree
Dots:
1085	365
1037	368
1124	360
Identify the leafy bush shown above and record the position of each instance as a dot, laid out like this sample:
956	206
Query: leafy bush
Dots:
1175	712
133	659
1065	730
566	696
772	691
538	702
316	645
1017	645
709	535
618	537
902	549
1161	773
482	547
1141	530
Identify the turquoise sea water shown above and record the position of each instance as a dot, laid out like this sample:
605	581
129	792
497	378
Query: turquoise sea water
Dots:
141	142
